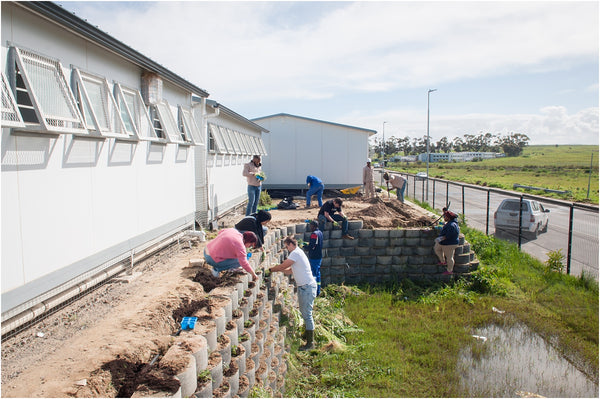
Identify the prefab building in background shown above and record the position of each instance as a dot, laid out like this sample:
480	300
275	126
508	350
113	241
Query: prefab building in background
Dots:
300	146
98	156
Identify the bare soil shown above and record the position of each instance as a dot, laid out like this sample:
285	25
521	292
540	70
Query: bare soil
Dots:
88	348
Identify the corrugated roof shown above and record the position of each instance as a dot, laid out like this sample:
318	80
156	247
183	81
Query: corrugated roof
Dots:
234	114
371	132
70	21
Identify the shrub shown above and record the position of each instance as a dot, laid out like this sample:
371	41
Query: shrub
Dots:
265	199
554	263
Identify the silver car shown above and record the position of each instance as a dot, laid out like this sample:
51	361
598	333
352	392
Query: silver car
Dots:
534	219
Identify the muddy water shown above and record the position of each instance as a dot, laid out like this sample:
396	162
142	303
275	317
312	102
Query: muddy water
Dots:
514	361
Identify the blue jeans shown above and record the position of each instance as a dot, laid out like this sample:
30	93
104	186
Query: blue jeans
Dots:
337	218
253	198
315	266
222	265
315	189
306	296
400	193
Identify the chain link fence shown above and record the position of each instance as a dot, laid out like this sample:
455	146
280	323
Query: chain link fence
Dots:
572	227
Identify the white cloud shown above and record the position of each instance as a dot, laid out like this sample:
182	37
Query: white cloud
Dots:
552	125
233	49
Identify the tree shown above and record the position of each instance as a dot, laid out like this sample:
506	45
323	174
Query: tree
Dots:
513	144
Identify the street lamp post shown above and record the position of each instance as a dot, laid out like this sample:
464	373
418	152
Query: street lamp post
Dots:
383	151
427	182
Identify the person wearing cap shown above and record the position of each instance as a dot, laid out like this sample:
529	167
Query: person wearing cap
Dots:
228	251
368	180
446	243
255	223
315	252
298	264
250	171
315	187
398	182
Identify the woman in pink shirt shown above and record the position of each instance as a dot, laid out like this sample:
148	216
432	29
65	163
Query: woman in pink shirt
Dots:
228	251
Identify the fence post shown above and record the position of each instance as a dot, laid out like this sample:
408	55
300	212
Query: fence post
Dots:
487	215
422	191
414	187
447	188
520	219
570	239
463	200
433	199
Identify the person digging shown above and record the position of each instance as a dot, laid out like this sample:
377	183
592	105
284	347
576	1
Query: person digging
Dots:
297	263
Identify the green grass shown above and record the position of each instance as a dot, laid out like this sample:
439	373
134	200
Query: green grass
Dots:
403	340
564	168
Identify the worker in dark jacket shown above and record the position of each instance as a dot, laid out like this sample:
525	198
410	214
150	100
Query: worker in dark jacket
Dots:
327	213
447	241
315	252
255	223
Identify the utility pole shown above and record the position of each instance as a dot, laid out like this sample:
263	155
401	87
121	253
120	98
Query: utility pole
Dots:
427	182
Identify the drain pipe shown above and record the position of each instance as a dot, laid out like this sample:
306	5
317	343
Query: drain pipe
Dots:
79	288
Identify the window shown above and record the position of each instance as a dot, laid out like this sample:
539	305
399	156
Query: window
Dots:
188	127
234	141
261	145
134	113
165	122
10	112
215	132
243	149
98	107
42	94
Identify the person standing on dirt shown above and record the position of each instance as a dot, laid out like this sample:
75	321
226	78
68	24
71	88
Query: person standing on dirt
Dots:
398	182
252	172
228	251
315	187
328	213
368	180
447	242
298	264
255	223
315	252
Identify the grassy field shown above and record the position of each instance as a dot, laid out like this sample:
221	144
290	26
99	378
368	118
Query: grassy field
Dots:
564	168
403	340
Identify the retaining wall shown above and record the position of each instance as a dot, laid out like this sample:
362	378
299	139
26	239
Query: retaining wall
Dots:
378	255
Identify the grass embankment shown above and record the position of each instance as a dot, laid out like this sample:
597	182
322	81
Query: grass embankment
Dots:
565	168
403	340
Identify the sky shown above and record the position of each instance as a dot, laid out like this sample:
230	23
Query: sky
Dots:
527	67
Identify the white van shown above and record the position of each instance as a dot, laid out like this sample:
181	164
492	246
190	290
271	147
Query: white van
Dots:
533	221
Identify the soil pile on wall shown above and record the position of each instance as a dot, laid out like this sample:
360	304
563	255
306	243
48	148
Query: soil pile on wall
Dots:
389	214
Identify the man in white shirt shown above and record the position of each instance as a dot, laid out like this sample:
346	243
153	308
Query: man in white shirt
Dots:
298	264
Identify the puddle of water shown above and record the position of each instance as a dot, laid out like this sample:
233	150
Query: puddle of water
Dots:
514	361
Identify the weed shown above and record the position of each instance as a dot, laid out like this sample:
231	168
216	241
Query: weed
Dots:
554	263
265	200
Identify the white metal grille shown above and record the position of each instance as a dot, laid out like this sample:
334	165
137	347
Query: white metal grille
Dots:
216	133
48	90
168	122
10	113
134	113
190	126
100	110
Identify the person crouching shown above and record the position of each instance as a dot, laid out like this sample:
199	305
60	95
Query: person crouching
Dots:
228	251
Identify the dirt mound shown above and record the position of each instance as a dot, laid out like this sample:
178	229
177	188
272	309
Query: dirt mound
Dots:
389	213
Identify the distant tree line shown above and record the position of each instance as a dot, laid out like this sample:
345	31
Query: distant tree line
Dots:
511	144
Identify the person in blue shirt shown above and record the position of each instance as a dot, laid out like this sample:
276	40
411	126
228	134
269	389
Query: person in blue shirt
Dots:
315	252
447	241
315	187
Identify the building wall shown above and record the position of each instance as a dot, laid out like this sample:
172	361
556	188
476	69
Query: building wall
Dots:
69	204
298	147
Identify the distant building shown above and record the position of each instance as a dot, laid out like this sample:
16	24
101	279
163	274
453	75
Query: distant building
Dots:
458	156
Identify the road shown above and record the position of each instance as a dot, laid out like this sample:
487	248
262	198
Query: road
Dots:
584	248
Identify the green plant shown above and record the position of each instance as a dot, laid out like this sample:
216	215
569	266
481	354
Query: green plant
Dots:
265	199
248	323
554	263
204	376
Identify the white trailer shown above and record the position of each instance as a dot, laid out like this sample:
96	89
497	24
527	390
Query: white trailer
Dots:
300	146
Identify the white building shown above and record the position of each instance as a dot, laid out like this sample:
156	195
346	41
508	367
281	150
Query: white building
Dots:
457	156
104	157
300	146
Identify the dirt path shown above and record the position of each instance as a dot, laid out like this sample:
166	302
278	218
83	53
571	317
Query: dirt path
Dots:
56	357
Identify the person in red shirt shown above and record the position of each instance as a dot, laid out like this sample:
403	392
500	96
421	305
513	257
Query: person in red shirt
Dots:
228	251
